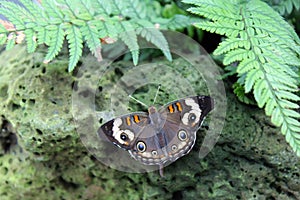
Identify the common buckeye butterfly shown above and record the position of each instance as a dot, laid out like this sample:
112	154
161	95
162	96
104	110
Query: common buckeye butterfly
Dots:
162	135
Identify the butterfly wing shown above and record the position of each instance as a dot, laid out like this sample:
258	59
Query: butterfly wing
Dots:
184	118
123	131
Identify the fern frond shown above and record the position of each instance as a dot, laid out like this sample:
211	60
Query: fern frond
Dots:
31	40
239	90
155	37
74	38
129	37
42	36
176	22
54	15
267	50
11	41
2	28
91	35
35	10
3	39
56	43
105	6
50	21
137	9
12	17
284	7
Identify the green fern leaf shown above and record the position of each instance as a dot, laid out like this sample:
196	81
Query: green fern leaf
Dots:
128	36
288	104
11	41
136	9
53	14
176	22
91	35
31	40
267	49
47	22
253	76
270	105
276	117
56	43
242	96
74	38
2	29
284	7
232	43
3	39
43	36
36	11
12	17
19	12
236	55
155	37
246	65
105	6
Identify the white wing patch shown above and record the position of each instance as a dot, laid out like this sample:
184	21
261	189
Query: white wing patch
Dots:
195	109
117	131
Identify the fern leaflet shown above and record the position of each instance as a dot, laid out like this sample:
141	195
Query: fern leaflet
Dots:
74	38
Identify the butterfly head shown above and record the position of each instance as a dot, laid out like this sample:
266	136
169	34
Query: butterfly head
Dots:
152	110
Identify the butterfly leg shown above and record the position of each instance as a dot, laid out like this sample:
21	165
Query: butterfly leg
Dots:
161	170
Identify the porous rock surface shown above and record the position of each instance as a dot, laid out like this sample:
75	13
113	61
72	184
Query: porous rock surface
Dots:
42	156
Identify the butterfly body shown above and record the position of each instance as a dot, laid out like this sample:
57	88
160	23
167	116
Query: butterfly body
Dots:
162	135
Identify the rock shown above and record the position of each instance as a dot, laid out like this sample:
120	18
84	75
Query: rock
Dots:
42	155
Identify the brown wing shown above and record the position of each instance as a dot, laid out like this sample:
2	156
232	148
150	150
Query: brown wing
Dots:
123	131
184	117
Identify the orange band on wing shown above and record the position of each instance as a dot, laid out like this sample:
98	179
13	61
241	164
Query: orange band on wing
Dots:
179	106
171	109
136	119
128	121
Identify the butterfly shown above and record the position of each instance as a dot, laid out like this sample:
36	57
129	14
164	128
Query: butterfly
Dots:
162	135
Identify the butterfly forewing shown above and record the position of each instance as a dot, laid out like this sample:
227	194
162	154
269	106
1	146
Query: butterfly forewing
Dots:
184	117
123	131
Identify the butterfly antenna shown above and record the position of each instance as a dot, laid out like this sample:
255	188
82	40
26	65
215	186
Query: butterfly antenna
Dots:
139	101
156	94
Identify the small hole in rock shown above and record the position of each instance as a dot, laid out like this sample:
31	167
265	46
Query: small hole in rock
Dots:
31	102
39	131
75	85
85	93
3	91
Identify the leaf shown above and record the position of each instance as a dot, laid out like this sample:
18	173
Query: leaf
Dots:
11	39
129	37
74	38
3	39
246	65
253	76
155	37
235	55
92	37
55	44
31	40
2	28
276	117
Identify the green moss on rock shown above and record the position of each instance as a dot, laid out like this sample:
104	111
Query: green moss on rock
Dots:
250	161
